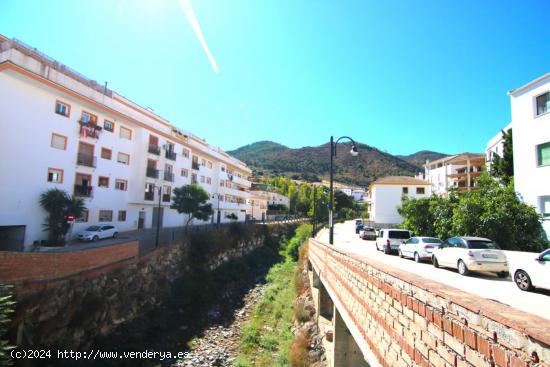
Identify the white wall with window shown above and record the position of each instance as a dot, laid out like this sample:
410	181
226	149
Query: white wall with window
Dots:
531	125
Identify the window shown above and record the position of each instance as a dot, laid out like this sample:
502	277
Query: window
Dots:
59	141
420	191
184	172
125	133
545	206
209	164
203	162
194	178
55	175
543	154
222	183
122	215
109	125
209	180
103	181
166	193
121	185
185	153
105	215
543	103
88	118
106	153
123	158
405	190
62	108
84	217
202	179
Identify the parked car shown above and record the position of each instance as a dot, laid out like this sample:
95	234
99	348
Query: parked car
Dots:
94	233
389	239
532	273
468	254
358	227
419	248
368	233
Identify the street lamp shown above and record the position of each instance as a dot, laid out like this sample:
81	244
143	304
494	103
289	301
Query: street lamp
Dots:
217	195
158	217
353	153
314	210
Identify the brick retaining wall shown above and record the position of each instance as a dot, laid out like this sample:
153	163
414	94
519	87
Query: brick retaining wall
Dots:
408	320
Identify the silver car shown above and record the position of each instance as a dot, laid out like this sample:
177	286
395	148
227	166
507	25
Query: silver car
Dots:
419	248
94	233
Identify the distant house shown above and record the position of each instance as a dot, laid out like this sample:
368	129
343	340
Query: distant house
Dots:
355	193
385	196
460	171
495	146
531	126
256	207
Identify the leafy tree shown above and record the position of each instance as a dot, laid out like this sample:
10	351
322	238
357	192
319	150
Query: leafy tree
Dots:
417	215
503	167
231	216
192	200
58	204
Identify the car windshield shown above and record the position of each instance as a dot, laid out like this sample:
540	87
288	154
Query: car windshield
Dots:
370	229
92	228
431	240
479	245
401	235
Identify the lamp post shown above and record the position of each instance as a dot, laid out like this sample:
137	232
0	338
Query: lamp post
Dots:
217	196
354	153
314	210
158	218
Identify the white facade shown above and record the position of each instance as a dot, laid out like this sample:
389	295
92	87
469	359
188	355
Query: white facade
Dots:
385	197
531	127
111	170
356	194
256	207
459	171
495	146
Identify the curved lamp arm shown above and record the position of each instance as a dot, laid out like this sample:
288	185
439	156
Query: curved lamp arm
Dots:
353	148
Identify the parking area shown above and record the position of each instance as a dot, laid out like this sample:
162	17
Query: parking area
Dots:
482	284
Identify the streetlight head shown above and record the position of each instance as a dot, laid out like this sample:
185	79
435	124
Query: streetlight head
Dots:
354	152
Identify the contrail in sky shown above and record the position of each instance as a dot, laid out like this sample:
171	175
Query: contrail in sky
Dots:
187	9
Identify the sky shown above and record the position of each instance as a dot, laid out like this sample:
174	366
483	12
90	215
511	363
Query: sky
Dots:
400	75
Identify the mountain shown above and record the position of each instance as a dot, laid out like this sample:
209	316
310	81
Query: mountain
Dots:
420	158
267	158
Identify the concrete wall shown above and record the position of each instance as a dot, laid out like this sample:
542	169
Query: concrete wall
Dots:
400	319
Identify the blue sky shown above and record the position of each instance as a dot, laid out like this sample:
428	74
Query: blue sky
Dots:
400	75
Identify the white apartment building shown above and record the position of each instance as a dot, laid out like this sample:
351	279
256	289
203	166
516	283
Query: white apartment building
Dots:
61	130
460	171
385	196
256	207
531	127
495	146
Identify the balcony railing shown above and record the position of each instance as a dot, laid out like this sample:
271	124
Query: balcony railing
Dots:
195	166
170	155
150	195
84	159
83	190
169	176
152	172
154	149
90	130
166	198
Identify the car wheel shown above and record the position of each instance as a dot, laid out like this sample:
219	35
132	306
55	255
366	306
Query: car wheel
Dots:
523	281
386	250
115	235
462	269
416	257
95	238
401	254
502	274
434	261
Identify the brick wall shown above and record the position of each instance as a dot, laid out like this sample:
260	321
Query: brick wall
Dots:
407	320
16	267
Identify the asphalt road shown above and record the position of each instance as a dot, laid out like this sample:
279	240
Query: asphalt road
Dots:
485	285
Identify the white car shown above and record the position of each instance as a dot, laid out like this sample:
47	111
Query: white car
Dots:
390	239
94	233
468	254
367	233
534	273
419	248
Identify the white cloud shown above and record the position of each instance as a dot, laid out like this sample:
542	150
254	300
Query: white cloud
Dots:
187	9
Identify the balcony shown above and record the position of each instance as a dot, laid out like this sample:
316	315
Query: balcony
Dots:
169	176
166	198
154	149
150	195
84	159
170	155
83	191
89	130
152	172
195	166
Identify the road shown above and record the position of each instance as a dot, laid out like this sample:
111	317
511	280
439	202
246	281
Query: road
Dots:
485	285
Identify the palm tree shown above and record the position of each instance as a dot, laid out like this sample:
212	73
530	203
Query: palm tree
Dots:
57	203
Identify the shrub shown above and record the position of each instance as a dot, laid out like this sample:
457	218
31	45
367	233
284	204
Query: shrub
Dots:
299	351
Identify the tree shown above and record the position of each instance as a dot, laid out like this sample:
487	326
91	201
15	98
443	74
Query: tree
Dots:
503	167
192	200
58	204
417	215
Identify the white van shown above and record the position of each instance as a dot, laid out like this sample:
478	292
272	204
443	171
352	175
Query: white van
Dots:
389	239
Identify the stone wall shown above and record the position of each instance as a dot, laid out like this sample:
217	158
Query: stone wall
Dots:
400	319
72	310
